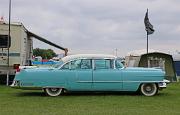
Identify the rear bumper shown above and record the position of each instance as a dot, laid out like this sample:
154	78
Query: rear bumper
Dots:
15	84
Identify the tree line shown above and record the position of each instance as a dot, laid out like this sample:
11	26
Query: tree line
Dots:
44	53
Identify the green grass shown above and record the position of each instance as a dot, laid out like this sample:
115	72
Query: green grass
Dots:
23	102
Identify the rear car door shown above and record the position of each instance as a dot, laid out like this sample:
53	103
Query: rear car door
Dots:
84	75
105	76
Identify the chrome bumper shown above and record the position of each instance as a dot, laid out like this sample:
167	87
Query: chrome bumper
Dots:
15	84
163	84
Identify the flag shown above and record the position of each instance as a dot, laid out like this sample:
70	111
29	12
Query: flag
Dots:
148	25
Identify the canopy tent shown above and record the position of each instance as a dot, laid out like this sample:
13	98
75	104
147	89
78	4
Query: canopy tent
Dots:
159	60
154	58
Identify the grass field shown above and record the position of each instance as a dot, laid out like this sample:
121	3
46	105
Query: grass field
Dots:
23	102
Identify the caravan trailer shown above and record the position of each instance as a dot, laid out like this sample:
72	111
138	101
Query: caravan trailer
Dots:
20	48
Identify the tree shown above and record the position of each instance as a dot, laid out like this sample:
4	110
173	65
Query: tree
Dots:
44	53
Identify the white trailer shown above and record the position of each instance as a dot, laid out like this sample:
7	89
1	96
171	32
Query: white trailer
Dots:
20	48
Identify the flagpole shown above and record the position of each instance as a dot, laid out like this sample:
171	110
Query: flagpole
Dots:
149	29
147	49
9	34
147	37
147	43
8	44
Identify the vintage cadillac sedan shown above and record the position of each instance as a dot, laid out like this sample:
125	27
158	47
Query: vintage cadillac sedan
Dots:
91	72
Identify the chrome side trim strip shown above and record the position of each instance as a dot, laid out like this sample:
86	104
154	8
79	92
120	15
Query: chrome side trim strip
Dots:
119	81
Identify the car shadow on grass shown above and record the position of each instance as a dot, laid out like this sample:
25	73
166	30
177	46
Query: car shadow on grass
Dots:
30	94
100	93
73	94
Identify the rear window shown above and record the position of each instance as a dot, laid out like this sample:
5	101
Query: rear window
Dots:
4	41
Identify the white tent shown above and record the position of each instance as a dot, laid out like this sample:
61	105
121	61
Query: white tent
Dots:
176	56
141	52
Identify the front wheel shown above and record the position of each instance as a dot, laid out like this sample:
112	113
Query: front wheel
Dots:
149	89
53	91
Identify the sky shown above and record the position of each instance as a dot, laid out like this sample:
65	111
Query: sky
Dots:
99	26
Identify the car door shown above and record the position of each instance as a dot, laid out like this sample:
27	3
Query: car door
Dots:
105	76
84	75
79	75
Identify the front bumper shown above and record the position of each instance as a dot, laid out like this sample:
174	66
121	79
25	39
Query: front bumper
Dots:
163	84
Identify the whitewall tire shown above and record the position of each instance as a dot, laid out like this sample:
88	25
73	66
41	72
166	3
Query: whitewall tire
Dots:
53	91
149	89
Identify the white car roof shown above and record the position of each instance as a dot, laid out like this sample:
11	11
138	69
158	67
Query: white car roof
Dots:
91	56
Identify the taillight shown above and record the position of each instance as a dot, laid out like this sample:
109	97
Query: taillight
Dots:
16	66
18	70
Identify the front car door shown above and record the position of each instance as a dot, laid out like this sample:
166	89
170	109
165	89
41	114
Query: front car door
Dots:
106	77
79	75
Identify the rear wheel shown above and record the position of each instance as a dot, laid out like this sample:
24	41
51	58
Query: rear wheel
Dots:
53	91
149	89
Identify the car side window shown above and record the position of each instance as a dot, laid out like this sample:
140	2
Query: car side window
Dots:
78	64
119	64
75	64
86	64
103	64
72	65
66	66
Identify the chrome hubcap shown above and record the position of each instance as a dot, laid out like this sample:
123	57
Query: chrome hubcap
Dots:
54	89
148	88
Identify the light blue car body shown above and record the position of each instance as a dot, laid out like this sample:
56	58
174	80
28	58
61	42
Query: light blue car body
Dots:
114	78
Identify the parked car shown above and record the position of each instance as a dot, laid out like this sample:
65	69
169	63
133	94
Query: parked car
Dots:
91	72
